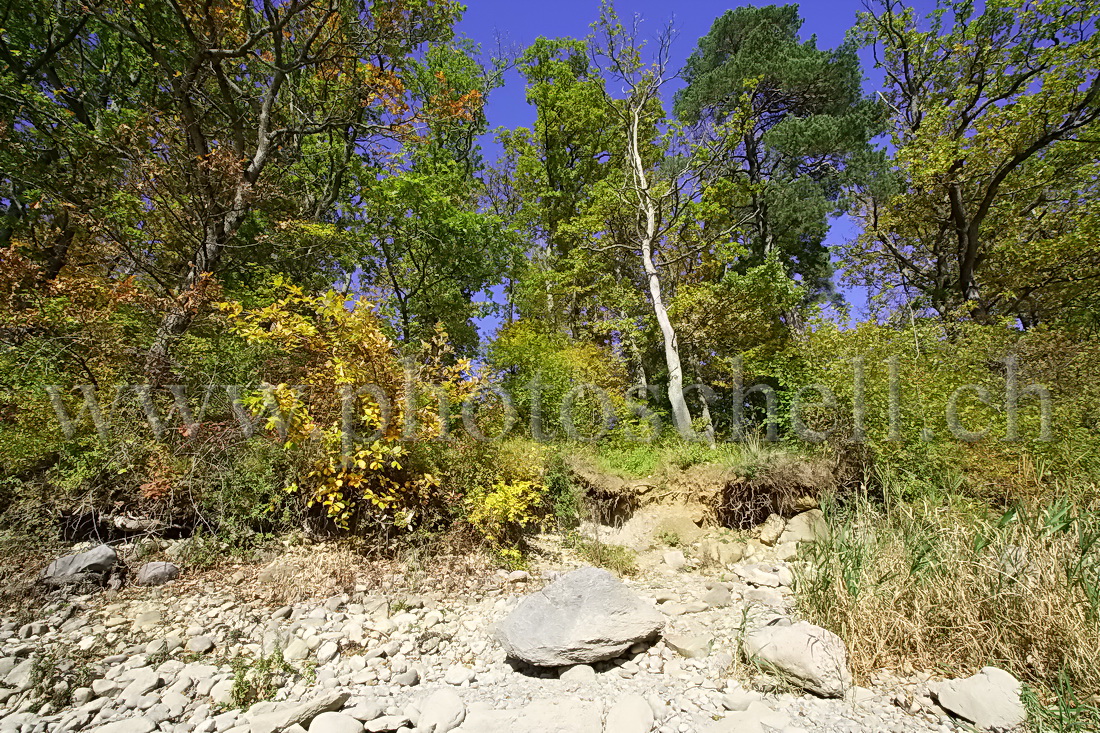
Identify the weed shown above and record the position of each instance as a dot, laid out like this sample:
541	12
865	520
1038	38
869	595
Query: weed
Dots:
55	675
1066	714
670	538
257	679
616	558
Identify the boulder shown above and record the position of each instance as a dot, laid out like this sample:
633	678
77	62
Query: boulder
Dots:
989	699
586	616
156	573
806	655
441	712
72	568
805	527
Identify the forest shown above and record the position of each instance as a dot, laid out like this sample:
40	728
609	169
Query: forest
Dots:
271	270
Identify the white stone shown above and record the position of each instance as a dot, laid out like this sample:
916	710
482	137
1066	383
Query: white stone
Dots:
441	712
578	674
990	699
807	655
332	722
630	714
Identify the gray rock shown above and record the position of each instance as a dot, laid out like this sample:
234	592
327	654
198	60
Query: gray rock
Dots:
756	718
739	699
675	559
771	529
332	722
759	574
387	723
130	725
288	715
631	714
407	678
156	573
19	677
807	655
70	568
441	712
580	674
296	650
692	646
144	681
718	596
805	527
200	644
989	699
587	615
459	675
222	693
364	711
327	652
730	552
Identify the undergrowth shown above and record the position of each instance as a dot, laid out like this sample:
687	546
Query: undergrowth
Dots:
945	584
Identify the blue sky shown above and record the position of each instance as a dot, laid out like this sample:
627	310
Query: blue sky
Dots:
517	23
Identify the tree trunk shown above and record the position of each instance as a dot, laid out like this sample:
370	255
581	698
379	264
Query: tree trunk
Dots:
681	415
204	262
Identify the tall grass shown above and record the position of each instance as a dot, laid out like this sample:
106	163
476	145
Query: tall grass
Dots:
946	586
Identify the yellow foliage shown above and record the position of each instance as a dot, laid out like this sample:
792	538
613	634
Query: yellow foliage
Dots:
339	347
506	508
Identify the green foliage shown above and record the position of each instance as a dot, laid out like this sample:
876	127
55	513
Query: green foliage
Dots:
803	130
991	209
1066	713
935	368
254	679
618	559
505	509
542	367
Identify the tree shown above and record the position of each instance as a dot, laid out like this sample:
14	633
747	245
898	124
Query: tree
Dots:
661	209
802	124
547	176
222	119
994	119
424	244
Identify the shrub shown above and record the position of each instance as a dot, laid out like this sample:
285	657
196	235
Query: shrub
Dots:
503	511
334	349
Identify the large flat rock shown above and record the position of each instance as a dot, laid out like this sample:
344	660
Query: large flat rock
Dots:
585	616
95	561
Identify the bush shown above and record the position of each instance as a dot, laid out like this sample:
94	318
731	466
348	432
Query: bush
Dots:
503	511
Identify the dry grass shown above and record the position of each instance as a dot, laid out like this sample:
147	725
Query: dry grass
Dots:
946	589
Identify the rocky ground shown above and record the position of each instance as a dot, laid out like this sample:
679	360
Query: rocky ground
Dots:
404	650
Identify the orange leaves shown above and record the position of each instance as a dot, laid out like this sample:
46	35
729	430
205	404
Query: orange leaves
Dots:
383	88
16	270
448	103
